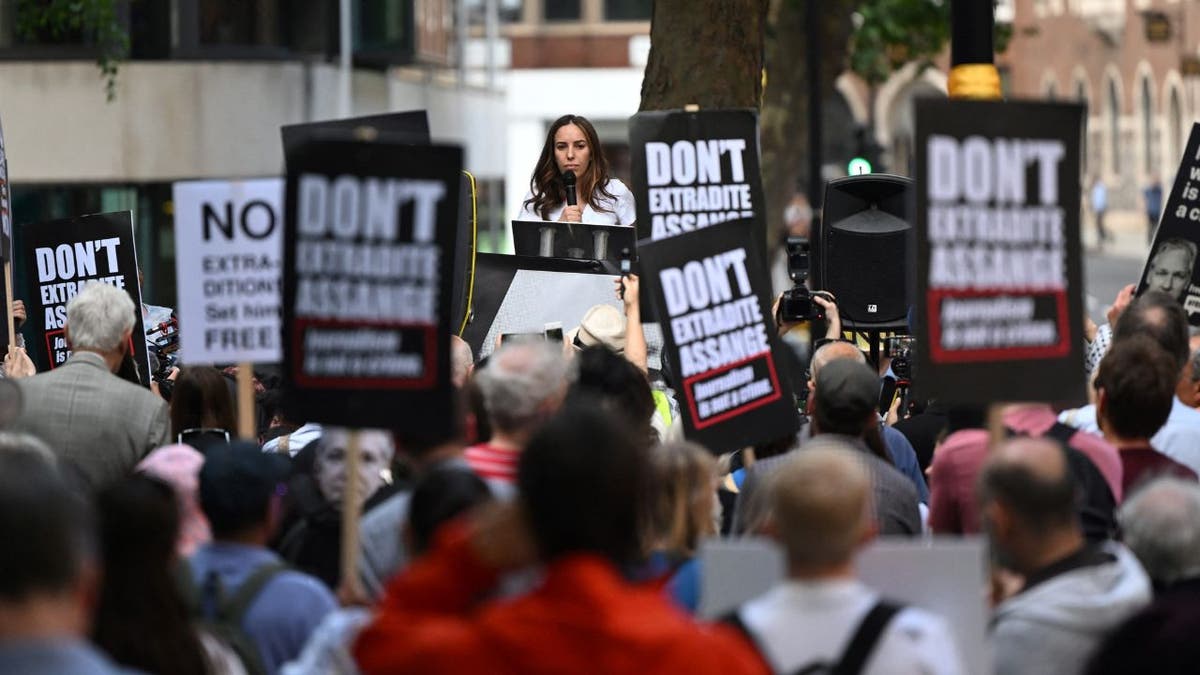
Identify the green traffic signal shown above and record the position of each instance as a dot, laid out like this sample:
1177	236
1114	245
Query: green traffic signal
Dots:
858	166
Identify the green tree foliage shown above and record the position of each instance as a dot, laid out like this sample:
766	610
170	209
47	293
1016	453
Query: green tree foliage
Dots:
93	22
892	33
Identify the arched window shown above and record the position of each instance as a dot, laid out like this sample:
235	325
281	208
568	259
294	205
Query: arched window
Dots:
1175	125
1086	161
1147	115
1114	127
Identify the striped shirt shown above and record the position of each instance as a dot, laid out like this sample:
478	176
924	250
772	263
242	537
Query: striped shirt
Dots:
493	463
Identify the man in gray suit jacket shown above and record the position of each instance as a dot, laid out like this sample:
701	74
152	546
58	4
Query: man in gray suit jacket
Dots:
86	414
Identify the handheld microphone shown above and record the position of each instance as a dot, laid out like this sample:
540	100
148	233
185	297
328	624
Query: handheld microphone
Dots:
568	179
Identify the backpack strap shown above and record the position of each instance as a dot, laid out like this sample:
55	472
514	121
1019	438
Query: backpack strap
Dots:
864	640
1061	433
233	608
734	619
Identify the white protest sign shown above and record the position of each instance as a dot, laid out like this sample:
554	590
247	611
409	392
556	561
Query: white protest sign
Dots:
946	576
228	248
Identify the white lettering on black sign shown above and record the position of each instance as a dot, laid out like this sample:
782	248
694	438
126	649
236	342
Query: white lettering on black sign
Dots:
366	252
65	270
688	188
718	328
996	275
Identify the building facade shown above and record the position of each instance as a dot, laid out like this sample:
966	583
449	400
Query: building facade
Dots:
203	94
1126	61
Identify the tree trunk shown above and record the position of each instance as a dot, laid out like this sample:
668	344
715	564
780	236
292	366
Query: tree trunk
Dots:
707	52
783	125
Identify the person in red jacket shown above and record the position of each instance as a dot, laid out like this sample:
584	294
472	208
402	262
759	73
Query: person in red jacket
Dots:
582	481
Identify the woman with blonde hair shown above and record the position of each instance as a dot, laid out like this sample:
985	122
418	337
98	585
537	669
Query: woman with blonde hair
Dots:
681	514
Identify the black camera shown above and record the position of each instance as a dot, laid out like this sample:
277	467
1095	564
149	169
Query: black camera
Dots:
796	304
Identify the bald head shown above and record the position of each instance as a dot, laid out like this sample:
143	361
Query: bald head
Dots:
820	506
462	361
833	351
1031	479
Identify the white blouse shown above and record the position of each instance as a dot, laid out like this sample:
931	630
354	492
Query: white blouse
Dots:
621	211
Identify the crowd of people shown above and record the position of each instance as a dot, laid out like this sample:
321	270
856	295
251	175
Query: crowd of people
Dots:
557	528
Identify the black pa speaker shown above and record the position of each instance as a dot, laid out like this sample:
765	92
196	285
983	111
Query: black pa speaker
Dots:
862	249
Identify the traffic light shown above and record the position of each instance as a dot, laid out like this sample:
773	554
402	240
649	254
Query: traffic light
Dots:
866	154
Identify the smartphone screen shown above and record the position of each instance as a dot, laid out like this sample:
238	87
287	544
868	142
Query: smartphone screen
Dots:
886	393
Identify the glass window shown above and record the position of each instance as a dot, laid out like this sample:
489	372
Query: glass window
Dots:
511	11
239	22
562	10
628	10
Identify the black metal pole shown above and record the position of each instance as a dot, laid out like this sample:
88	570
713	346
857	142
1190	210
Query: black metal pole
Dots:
973	72
812	20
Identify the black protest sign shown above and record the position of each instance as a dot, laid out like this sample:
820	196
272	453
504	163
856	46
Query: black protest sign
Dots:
998	276
710	293
692	170
66	256
6	242
368	260
1171	265
411	126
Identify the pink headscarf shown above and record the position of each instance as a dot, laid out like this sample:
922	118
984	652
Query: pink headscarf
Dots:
179	466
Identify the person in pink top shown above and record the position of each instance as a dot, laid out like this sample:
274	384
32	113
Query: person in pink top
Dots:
959	459
179	465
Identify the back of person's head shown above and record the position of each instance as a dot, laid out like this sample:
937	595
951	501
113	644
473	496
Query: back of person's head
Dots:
582	479
1159	316
683	476
139	520
1161	525
819	507
201	400
834	351
605	376
845	399
179	466
100	318
46	529
1160	639
1136	380
1030	482
139	523
22	443
237	486
442	495
522	385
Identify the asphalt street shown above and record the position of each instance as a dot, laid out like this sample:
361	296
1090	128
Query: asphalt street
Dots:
1104	274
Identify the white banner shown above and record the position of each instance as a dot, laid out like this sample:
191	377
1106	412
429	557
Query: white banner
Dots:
228	248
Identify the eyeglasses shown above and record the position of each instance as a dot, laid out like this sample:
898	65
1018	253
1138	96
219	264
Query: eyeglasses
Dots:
202	432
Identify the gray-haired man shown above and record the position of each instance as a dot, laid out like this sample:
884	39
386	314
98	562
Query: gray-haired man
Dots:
85	413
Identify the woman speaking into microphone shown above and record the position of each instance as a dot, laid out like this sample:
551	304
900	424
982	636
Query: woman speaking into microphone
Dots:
571	181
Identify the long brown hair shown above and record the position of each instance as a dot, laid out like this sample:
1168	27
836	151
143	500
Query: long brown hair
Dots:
201	399
682	473
546	184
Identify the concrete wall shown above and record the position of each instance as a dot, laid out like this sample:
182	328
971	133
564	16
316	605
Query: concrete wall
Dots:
193	119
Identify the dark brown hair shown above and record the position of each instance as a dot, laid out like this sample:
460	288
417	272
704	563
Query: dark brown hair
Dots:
546	184
1138	378
201	399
